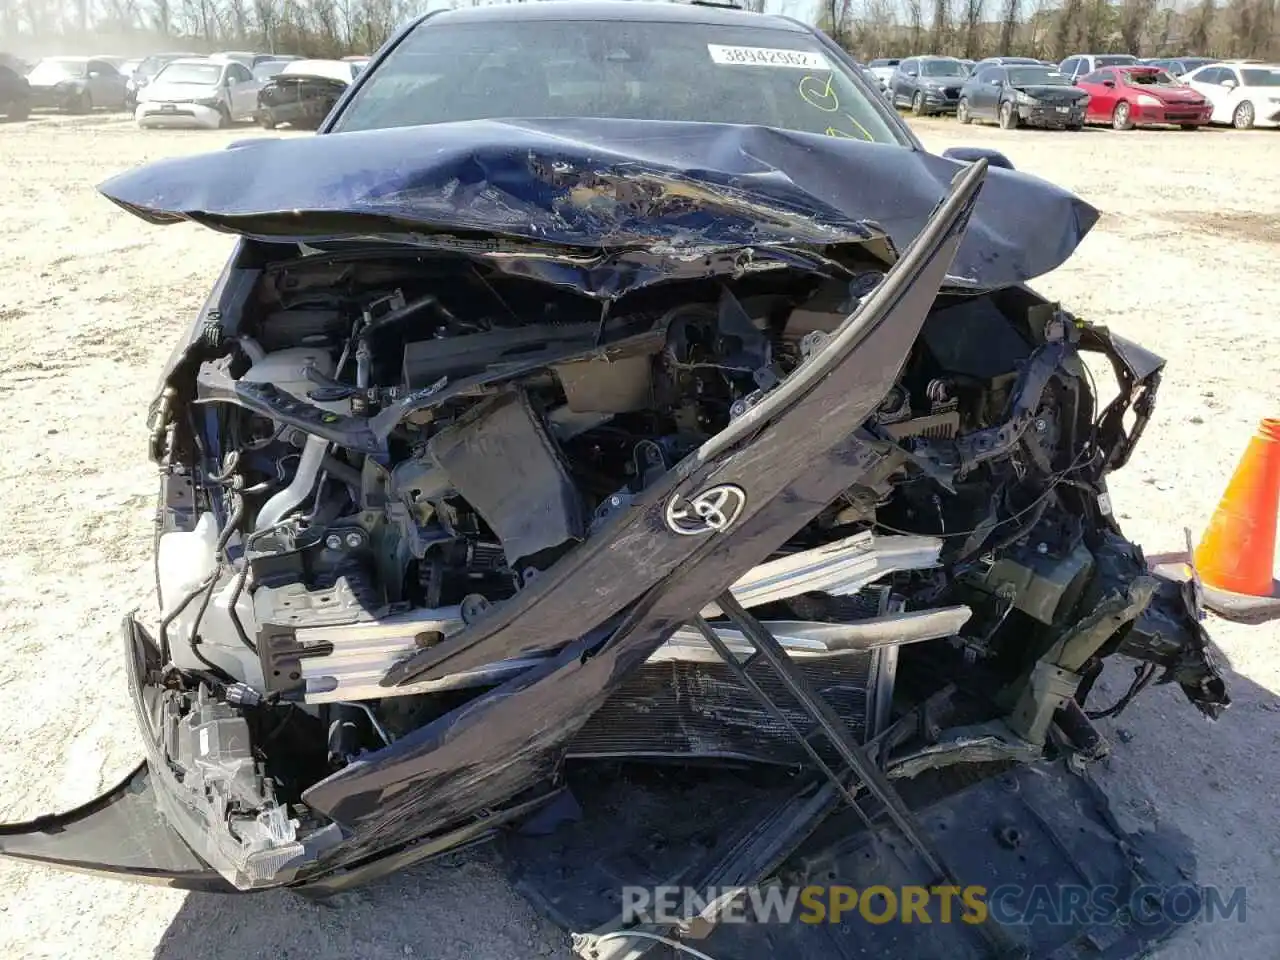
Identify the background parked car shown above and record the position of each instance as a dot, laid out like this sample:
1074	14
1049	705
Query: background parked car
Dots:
1128	97
199	92
146	71
251	59
304	92
76	84
267	69
882	69
1178	66
872	80
130	67
15	94
1022	94
1080	64
927	84
1006	62
1244	95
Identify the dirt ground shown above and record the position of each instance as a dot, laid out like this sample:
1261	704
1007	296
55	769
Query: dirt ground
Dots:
1186	260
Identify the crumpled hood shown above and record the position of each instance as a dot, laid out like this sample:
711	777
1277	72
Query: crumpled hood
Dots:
676	190
1051	93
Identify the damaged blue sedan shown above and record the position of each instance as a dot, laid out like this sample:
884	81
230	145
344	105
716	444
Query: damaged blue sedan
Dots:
614	437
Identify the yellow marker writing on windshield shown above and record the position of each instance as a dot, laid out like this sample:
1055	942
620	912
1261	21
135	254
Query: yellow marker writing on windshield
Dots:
819	93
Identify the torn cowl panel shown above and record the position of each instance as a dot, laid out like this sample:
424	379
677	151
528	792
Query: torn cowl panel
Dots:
545	198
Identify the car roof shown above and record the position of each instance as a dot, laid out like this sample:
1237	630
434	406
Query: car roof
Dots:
68	59
620	10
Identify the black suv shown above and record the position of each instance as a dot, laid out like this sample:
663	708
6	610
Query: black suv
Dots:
928	84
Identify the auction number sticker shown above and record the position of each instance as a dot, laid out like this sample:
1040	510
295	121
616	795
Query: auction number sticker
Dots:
767	57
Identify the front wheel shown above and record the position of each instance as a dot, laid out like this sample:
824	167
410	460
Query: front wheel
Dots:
224	117
83	103
1121	118
917	104
19	111
1008	116
266	122
962	111
1242	119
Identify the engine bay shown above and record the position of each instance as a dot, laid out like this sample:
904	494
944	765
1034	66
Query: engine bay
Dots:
380	450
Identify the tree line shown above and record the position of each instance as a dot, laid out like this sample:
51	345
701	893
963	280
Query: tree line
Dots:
1055	29
1047	29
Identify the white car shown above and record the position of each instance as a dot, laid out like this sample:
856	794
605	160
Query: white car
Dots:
198	92
882	69
1244	95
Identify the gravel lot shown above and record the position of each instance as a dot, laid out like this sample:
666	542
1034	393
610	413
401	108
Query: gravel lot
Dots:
1185	261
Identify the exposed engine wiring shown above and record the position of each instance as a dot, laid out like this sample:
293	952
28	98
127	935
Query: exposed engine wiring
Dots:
1054	481
1144	673
656	938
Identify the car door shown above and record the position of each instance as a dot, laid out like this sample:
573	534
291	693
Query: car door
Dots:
988	91
1229	82
906	82
1101	87
1210	83
243	90
106	86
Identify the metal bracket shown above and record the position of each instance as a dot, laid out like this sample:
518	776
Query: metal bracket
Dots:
866	773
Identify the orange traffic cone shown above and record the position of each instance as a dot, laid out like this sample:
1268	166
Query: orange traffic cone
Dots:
1236	555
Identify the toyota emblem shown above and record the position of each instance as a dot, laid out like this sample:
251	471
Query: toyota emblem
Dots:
711	510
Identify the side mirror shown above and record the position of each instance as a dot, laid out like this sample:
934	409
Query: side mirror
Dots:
970	154
1108	83
94	74
1229	84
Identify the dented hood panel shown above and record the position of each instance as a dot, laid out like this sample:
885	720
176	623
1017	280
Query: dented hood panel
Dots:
562	190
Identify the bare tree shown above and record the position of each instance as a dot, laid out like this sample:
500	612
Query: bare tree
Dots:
972	20
1200	25
939	25
1135	17
1007	27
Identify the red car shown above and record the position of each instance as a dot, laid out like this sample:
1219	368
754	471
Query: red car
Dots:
1135	96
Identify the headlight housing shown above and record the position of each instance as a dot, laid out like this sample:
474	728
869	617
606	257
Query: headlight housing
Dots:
208	101
1024	98
1146	100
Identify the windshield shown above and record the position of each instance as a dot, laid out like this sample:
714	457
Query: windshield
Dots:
1038	77
152	65
1114	60
614	69
1141	78
205	74
268	69
941	68
50	70
1261	78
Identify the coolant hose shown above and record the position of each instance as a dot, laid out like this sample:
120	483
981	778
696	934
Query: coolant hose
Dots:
304	481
